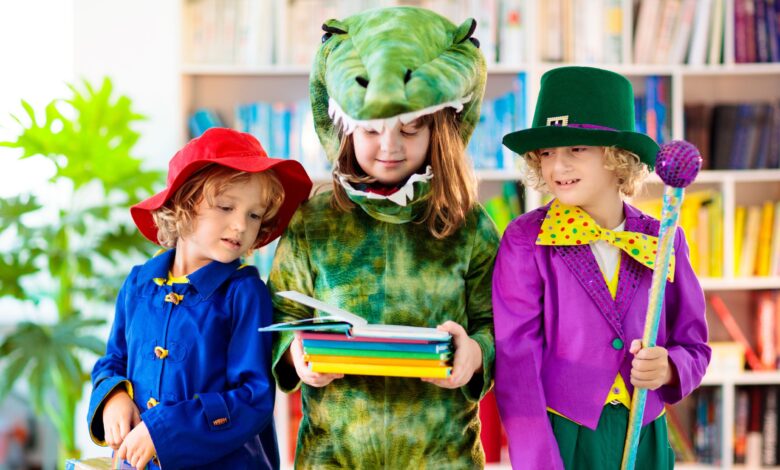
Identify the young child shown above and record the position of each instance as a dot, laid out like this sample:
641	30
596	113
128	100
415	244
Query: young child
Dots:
186	377
400	240
571	284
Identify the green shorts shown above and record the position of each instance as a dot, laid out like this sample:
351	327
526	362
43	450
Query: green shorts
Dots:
585	449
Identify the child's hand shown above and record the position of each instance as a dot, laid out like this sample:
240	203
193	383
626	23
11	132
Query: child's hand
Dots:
314	379
138	448
650	367
120	416
467	361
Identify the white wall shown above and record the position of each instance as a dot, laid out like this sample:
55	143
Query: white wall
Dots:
36	53
137	44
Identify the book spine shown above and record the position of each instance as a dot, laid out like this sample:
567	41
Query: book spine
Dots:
735	331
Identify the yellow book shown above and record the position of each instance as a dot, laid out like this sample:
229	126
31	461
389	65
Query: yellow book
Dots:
382	370
651	207
716	236
764	239
387	361
740	214
689	222
747	266
774	254
703	241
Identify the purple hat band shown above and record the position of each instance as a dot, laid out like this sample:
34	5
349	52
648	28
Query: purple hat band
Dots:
590	126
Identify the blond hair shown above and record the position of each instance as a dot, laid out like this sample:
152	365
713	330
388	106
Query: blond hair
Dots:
453	187
628	168
176	218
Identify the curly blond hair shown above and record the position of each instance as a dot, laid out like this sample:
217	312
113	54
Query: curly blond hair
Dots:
628	168
176	218
453	187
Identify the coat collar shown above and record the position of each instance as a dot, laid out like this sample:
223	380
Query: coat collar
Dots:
583	265
205	280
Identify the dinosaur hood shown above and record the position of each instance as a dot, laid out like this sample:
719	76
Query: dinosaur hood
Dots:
390	64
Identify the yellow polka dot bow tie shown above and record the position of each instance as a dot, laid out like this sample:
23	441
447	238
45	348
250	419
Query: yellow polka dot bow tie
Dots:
570	225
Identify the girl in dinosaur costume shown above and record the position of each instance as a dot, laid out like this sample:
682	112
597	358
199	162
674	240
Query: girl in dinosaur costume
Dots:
400	240
571	284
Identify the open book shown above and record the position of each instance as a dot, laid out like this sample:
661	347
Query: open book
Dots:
351	324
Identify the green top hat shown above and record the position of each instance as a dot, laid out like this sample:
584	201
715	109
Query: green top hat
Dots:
584	106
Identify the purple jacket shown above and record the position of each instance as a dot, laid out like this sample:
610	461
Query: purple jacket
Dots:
561	338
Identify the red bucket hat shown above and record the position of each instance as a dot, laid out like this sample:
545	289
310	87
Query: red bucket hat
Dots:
235	150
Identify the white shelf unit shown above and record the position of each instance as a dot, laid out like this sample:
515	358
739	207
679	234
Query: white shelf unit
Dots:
223	86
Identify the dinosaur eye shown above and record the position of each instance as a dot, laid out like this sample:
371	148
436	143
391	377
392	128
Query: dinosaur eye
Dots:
407	76
333	29
326	36
474	41
362	82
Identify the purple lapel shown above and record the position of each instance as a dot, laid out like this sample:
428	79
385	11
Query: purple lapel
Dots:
582	263
631	270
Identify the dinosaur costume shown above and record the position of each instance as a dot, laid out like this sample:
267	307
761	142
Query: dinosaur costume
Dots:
378	261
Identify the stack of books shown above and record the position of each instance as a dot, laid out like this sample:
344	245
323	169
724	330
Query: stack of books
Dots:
340	353
344	343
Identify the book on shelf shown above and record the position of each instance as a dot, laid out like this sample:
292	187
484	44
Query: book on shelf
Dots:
773	33
750	242
512	29
707	427
670	13
340	320
753	438
202	120
742	136
741	419
701	219
647	20
774	250
728	357
734	330
757	240
766	328
698	118
756	426
697	50
763	251
682	32
717	20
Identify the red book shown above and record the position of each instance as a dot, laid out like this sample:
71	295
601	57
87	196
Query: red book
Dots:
735	331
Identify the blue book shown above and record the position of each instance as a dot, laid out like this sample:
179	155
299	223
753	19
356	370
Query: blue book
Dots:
377	346
279	144
202	120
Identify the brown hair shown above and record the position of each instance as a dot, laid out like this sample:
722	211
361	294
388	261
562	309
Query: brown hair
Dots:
176	217
628	168
453	187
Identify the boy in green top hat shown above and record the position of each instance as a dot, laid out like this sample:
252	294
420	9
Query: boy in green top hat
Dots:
570	288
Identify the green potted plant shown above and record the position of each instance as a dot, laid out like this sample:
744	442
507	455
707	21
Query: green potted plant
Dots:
74	262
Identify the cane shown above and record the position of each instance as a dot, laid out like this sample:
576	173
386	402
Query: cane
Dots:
677	163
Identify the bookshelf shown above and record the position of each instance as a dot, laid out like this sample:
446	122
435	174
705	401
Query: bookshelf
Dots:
713	69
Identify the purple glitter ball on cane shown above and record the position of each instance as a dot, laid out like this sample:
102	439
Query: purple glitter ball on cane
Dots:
677	163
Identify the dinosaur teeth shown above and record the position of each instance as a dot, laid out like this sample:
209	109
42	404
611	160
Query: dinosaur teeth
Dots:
348	124
400	197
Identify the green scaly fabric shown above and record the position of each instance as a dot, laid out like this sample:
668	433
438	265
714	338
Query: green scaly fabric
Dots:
379	261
